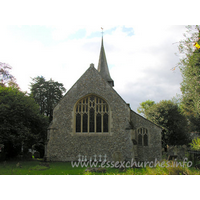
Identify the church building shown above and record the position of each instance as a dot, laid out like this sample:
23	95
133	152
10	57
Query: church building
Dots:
93	121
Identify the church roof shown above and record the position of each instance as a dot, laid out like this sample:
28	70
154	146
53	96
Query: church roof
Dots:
103	66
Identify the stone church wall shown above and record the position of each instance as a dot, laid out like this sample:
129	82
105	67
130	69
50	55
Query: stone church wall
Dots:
65	145
153	150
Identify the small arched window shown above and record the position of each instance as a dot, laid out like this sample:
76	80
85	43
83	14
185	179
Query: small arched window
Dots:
143	137
140	139
91	115
145	134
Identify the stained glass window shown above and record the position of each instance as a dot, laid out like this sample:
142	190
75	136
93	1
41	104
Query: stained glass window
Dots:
145	140
143	136
78	123
92	115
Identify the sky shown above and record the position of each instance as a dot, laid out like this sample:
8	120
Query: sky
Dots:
59	39
140	58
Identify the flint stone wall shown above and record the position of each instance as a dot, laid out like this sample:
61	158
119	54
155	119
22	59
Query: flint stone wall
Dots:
65	145
154	149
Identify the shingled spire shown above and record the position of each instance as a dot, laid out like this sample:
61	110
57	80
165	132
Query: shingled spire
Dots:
103	66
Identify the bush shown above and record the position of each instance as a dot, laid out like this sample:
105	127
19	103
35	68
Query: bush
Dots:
2	156
195	145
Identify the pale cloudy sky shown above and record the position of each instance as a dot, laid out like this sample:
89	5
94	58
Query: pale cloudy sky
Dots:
138	43
140	54
140	58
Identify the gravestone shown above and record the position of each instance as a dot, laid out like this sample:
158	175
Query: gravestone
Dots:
28	155
36	154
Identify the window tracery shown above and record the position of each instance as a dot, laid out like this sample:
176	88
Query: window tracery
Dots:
142	137
92	115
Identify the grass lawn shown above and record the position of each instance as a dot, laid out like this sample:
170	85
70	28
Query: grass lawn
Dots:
36	167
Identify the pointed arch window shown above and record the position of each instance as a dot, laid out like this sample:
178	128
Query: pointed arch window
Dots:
92	115
142	137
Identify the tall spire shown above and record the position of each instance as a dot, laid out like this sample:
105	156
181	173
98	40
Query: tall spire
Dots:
103	66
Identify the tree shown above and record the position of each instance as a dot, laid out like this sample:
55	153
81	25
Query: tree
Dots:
144	106
20	121
47	94
190	68
6	79
167	114
195	145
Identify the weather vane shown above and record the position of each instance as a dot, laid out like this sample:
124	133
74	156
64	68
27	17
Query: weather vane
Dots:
102	31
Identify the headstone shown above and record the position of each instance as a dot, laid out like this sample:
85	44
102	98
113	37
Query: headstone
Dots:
79	157
105	158
28	155
95	158
83	158
36	154
100	157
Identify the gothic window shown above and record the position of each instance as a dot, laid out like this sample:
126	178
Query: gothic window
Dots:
139	139
92	115
78	123
143	137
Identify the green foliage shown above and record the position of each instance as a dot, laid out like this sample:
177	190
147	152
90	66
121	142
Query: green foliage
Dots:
195	145
144	106
20	120
167	114
7	79
47	94
190	68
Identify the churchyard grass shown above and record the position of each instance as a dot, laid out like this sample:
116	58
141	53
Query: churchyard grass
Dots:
37	167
